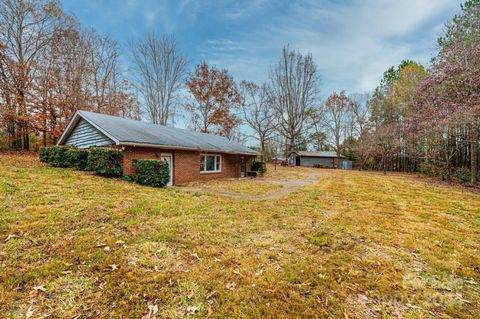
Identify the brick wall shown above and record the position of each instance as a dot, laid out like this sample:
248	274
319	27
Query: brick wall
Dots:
186	167
186	164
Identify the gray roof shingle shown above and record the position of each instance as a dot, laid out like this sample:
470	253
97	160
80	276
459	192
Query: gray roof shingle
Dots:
132	132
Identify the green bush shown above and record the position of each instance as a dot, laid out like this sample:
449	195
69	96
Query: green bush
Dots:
426	168
154	173
259	166
58	156
105	161
78	158
462	174
44	154
129	178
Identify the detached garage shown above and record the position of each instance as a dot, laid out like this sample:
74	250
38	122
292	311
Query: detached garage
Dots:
311	159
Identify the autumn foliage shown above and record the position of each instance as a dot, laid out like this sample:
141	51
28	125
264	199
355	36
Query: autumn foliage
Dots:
50	67
215	99
430	117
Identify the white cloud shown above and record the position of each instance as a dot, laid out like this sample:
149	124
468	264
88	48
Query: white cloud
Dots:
353	43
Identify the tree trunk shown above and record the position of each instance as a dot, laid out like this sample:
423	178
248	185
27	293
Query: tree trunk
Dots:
17	141
474	156
26	139
262	145
362	162
289	147
44	138
12	135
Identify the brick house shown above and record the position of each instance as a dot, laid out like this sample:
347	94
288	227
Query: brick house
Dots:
192	156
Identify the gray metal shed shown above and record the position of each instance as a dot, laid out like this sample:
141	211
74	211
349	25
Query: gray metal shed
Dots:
310	159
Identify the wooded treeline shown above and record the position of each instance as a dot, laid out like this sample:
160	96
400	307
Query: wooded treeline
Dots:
50	66
419	118
428	119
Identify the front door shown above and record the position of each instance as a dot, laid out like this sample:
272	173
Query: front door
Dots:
167	157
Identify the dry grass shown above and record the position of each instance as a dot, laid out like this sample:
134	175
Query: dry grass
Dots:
353	245
287	173
242	186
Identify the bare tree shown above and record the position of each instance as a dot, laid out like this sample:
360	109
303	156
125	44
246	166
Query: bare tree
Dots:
257	112
360	111
386	144
160	70
293	92
334	117
103	55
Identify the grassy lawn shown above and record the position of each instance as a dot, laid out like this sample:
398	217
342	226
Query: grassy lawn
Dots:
287	173
352	245
243	186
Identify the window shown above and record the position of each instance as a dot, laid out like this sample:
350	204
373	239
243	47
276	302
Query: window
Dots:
210	163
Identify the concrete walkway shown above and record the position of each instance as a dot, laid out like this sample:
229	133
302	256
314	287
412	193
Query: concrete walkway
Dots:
289	186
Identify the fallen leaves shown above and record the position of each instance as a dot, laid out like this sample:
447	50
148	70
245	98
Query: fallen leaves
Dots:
237	272
152	310
260	272
191	310
133	261
196	256
36	291
113	267
210	311
10	237
105	247
230	285
40	288
211	294
29	312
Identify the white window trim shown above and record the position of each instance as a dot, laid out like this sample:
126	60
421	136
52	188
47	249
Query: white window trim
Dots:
205	164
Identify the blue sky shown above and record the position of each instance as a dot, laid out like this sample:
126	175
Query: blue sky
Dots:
352	41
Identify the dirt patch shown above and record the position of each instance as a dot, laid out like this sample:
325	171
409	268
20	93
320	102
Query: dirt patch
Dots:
288	186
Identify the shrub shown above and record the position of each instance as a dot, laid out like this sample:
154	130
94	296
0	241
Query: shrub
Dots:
462	174
154	173
44	154
443	174
78	158
426	168
58	156
129	178
105	161
259	166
